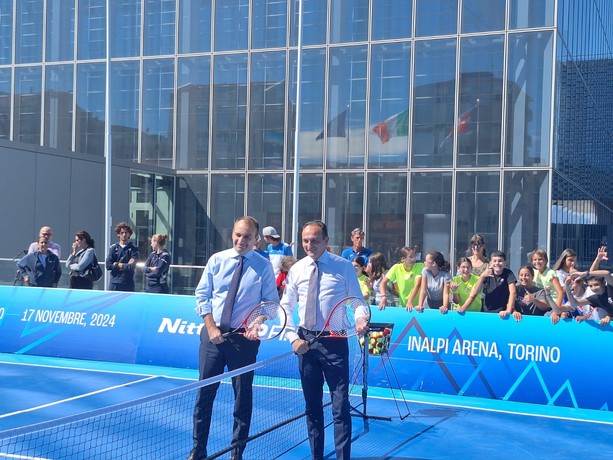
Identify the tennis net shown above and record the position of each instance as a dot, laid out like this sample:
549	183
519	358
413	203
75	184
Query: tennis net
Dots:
160	426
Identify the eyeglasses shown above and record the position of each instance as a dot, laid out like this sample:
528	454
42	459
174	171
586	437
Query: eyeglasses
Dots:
476	246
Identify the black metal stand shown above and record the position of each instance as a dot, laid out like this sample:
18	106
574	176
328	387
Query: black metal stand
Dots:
18	276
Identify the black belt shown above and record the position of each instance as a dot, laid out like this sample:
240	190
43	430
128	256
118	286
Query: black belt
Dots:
318	333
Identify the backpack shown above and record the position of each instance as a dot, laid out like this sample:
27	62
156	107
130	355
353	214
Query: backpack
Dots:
93	272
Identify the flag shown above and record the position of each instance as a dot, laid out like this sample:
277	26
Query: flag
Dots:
463	123
396	125
336	126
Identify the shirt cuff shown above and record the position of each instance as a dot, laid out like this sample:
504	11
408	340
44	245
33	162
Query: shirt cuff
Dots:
202	310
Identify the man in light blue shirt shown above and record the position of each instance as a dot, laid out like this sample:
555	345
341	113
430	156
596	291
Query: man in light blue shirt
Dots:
255	283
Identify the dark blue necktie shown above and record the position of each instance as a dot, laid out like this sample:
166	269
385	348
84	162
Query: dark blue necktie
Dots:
226	314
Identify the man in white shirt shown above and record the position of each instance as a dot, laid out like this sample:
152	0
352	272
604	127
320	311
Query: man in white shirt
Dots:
327	358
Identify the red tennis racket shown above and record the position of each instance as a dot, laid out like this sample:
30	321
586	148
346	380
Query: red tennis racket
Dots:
265	321
348	318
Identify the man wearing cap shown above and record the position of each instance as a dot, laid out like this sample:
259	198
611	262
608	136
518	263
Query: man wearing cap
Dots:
358	249
277	249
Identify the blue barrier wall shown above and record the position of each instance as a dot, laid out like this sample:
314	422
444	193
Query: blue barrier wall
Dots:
474	354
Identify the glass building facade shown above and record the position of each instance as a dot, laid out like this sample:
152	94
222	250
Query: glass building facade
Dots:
422	121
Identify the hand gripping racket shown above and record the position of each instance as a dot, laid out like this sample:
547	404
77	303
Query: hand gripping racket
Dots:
265	321
348	318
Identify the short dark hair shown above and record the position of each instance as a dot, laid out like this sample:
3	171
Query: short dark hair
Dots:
83	235
498	254
317	223
123	226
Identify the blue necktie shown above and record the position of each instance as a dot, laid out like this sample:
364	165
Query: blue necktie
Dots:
226	314
310	314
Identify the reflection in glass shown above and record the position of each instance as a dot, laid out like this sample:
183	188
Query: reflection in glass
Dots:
91	32
29	31
193	112
124	109
125	23
267	110
6	32
389	105
89	130
27	110
344	207
269	23
314	20
231	25
192	221
227	204
477	209
60	30
311	110
58	106
430	221
265	201
386	218
229	111
348	21
346	107
531	13
479	121
525	211
5	103
433	102
159	27
309	205
482	15
392	19
436	17
194	26
529	114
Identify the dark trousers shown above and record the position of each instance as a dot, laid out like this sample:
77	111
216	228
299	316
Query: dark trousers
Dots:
126	286
235	352
158	288
327	359
78	282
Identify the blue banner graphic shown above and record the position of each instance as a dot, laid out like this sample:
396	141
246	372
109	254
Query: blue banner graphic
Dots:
474	354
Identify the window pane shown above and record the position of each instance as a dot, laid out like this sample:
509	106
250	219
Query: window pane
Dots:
269	23
311	108
430	213
433	102
27	112
346	107
267	111
344	207
6	31
310	205
29	31
124	109
92	29
525	210
477	209
229	111
531	13
389	105
159	27
192	221
392	19
436	17
60	30
193	113
265	200
158	99
386	219
125	24
529	114
479	121
227	205
90	108
194	26
314	21
482	15
231	25
58	106
348	21
5	103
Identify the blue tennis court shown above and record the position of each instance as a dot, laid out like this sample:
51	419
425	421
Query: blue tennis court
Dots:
37	389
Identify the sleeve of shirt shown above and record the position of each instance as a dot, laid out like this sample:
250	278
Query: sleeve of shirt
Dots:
269	284
204	290
288	302
110	258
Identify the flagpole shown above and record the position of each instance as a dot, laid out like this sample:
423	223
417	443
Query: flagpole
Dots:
107	138
478	115
296	200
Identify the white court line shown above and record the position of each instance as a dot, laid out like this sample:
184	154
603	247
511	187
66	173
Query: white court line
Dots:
74	398
22	457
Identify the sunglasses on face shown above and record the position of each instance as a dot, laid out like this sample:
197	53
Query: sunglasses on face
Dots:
476	246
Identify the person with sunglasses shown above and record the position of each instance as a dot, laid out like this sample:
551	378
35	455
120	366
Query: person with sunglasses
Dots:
477	255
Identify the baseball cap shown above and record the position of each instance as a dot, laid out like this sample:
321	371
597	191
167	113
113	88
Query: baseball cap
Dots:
270	231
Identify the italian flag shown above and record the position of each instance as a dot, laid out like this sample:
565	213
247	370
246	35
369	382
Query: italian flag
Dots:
396	125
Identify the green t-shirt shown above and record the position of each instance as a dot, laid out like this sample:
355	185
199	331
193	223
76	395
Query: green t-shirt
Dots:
405	280
464	289
363	286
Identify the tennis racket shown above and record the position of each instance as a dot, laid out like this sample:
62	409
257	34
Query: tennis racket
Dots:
348	316
265	321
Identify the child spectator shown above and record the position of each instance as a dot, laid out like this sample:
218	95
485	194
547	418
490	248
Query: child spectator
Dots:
498	285
407	277
284	266
601	284
375	269
462	284
435	277
545	277
530	300
359	265
565	265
